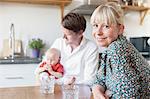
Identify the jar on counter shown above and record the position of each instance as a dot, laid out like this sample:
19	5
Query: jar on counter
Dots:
127	2
137	2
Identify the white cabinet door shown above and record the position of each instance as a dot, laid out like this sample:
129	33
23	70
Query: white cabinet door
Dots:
13	75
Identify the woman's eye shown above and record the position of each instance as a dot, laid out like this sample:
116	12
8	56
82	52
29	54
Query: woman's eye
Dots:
95	25
106	26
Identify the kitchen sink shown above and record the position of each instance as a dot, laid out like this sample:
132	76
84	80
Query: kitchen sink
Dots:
19	60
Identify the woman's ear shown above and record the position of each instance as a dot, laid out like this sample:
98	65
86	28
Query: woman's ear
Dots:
80	33
121	29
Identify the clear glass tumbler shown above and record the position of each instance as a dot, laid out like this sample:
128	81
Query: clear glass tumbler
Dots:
47	83
51	84
70	91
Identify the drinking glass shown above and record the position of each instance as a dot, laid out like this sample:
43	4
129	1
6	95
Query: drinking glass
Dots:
70	91
140	2
47	83
135	2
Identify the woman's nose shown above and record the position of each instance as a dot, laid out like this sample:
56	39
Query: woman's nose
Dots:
99	31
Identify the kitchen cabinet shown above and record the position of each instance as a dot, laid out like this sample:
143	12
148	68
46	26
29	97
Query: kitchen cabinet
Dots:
61	3
142	10
13	75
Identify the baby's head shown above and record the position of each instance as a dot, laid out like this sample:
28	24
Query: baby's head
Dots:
52	56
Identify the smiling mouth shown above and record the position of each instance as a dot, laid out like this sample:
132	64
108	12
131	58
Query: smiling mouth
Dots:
100	39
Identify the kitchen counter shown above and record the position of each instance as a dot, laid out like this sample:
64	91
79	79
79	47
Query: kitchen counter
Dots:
22	60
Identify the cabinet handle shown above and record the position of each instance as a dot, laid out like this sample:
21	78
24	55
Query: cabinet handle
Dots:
14	77
144	44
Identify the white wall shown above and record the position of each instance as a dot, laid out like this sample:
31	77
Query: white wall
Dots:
30	21
133	27
44	21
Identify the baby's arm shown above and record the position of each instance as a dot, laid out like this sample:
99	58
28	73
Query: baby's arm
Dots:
56	74
40	68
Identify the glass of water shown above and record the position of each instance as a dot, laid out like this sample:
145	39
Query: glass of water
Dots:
47	83
70	91
51	84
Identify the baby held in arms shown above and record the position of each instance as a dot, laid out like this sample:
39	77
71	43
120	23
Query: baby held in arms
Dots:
50	66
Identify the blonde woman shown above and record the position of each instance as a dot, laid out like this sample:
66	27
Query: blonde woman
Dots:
123	72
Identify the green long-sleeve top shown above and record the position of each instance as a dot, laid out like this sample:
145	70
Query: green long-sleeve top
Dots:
124	71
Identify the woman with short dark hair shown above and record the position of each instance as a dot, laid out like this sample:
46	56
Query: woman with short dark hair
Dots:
79	55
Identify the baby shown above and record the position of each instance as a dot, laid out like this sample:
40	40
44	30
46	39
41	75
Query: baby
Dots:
50	66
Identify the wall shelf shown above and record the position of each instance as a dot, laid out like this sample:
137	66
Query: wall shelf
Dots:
143	11
61	3
44	2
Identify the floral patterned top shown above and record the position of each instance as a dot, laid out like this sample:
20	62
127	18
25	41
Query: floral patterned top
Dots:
124	71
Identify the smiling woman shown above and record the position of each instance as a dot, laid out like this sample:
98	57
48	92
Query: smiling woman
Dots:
79	55
123	72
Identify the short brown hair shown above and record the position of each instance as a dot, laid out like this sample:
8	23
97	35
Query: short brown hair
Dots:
74	22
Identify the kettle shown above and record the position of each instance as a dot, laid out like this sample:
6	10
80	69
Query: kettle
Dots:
148	41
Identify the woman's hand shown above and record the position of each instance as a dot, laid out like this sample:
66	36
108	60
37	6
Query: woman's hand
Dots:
98	92
108	94
70	81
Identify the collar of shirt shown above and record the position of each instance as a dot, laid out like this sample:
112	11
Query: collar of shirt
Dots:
82	44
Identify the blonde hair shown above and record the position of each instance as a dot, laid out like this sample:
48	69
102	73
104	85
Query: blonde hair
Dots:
110	13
